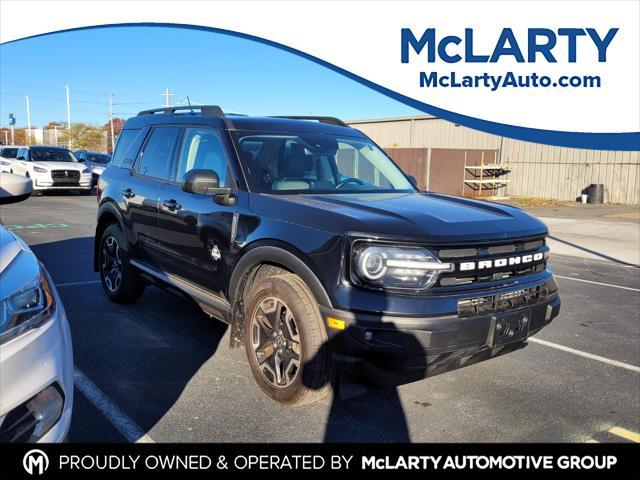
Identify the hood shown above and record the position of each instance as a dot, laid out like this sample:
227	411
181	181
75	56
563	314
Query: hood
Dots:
19	267
10	247
60	165
427	217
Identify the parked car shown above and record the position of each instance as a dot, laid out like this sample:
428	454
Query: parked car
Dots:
316	248
52	168
94	161
8	154
36	358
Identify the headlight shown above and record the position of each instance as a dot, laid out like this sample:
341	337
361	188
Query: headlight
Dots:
86	170
382	266
28	308
40	170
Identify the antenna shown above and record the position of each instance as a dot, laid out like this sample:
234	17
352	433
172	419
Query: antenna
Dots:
189	102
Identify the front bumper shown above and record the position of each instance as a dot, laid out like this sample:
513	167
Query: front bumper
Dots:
45	182
32	362
393	350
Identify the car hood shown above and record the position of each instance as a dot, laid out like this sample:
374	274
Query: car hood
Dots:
18	265
10	247
428	217
59	165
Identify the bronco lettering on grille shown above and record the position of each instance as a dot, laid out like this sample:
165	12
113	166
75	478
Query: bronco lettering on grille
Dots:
500	262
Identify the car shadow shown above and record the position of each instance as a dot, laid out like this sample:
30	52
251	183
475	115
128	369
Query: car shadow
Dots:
141	355
365	403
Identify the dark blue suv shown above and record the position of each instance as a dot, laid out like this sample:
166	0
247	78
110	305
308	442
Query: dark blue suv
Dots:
316	249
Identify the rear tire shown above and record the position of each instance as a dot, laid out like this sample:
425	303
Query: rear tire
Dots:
119	279
286	342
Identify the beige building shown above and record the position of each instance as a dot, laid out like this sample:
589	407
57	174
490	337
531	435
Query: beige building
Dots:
450	158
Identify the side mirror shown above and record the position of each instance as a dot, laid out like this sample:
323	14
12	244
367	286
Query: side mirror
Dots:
201	181
207	182
14	188
413	180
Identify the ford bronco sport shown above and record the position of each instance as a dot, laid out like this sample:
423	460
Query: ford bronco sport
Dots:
316	249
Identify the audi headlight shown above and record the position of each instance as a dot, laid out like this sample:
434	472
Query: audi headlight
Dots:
28	308
384	266
39	170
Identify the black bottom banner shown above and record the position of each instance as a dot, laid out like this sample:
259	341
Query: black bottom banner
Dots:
186	461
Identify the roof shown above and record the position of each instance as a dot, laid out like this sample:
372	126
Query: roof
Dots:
392	119
213	115
48	147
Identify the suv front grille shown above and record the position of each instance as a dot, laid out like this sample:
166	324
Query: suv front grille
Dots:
493	262
65	177
70	174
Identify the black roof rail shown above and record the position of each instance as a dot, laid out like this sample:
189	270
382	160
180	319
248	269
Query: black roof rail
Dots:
330	120
206	110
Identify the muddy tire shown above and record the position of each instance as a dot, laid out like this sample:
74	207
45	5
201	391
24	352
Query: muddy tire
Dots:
286	341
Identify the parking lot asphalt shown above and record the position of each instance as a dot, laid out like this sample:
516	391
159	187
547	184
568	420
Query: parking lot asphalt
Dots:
162	369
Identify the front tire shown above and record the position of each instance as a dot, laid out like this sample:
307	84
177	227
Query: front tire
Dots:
119	279
286	342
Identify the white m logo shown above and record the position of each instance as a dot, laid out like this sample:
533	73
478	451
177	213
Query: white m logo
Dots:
35	461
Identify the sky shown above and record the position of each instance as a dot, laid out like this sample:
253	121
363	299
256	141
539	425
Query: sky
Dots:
137	64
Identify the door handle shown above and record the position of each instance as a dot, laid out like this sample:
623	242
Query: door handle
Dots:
171	205
128	193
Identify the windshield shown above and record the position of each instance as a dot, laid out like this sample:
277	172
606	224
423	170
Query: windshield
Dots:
9	152
51	155
316	163
98	158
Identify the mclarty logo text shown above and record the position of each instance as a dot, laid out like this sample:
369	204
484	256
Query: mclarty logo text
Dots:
536	45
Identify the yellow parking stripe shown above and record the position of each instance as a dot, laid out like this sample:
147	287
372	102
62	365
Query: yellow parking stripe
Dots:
591	440
624	433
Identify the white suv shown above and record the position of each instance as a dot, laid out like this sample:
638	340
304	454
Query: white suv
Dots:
52	168
36	357
8	154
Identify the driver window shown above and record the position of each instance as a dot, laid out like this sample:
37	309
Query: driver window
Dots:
203	149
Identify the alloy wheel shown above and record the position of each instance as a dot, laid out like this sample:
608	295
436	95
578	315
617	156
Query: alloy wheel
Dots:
276	342
111	264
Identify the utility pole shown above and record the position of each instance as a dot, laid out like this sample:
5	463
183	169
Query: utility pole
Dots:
166	94
68	117
13	135
28	120
113	138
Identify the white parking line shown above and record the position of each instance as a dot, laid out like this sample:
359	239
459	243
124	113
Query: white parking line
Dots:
77	284
598	358
120	420
599	283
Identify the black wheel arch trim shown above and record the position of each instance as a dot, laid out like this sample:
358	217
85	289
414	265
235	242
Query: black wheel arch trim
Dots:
273	254
110	208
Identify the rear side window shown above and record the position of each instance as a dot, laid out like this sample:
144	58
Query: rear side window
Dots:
125	141
155	158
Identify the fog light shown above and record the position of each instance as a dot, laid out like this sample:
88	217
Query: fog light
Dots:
368	335
46	408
